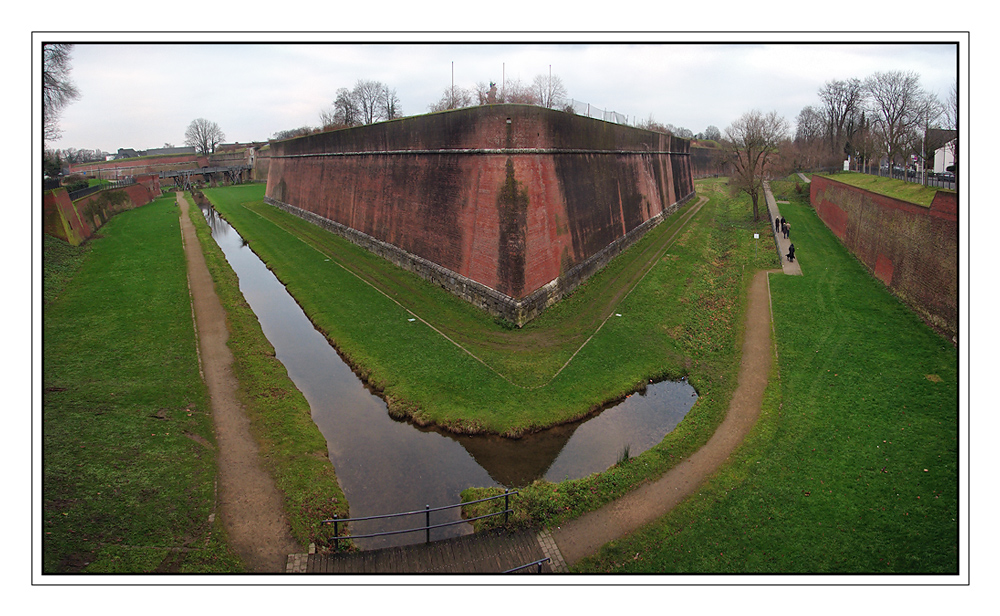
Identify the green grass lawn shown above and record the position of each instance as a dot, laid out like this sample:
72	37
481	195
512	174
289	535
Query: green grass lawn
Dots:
684	317
291	446
128	466
425	376
911	192
853	464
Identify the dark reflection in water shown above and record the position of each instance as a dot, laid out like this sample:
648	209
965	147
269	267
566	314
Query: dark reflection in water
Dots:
388	466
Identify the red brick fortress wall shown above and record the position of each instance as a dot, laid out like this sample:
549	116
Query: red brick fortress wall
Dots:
910	248
76	221
509	206
115	169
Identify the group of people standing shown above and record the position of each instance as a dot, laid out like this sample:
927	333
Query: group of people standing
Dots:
781	225
784	227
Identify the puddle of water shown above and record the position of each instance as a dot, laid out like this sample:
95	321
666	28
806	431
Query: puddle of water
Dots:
389	466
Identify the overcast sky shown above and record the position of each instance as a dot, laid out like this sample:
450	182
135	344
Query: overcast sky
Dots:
143	95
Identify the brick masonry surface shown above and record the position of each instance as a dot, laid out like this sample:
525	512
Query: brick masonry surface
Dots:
912	249
76	221
509	206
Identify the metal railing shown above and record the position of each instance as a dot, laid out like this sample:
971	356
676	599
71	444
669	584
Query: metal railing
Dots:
591	111
538	563
427	519
909	175
83	192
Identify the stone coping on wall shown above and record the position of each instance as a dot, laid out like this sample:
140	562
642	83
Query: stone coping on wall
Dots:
517	311
500	151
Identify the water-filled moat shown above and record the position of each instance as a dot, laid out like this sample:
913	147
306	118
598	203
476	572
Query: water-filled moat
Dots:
388	466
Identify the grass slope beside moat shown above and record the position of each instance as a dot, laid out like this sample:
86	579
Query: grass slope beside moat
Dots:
425	376
292	448
128	465
853	464
685	316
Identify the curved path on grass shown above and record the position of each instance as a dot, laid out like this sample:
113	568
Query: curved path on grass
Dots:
250	506
585	535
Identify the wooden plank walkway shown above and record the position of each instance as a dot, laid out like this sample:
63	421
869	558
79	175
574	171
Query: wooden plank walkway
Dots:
489	552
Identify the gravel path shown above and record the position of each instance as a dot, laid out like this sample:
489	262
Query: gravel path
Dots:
250	506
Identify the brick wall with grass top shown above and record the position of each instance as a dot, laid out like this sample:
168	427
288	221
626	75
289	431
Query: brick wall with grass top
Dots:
76	221
509	206
911	248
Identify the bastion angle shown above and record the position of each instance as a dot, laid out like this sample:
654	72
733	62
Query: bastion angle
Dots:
510	207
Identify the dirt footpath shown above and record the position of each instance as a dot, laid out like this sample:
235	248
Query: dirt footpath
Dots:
250	505
585	535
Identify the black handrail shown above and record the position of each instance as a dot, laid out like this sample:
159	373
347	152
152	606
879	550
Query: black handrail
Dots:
79	194
538	562
427	519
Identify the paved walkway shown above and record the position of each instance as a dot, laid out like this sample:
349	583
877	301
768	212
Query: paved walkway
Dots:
789	267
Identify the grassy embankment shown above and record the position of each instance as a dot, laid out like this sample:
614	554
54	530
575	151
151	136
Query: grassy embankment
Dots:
853	465
426	377
128	466
684	317
911	192
291	446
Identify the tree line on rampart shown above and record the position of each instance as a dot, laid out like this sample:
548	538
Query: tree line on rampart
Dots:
885	118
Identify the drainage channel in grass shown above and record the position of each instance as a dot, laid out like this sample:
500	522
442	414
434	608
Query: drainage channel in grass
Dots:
388	466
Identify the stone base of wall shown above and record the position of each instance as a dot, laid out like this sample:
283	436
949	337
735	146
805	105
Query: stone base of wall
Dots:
492	301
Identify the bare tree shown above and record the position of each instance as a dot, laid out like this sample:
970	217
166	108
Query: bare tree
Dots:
951	118
482	92
453	97
57	89
294	132
928	110
327	118
346	111
367	94
753	139
951	108
810	126
549	91
841	102
203	135
866	143
712	133
389	104
896	100
516	92
650	123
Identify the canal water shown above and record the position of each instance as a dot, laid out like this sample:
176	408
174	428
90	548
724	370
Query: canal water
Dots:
390	466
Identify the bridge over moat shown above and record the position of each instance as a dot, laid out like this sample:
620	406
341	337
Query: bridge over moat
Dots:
235	174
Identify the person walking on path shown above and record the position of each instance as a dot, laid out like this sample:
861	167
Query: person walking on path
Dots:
777	224
791	252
